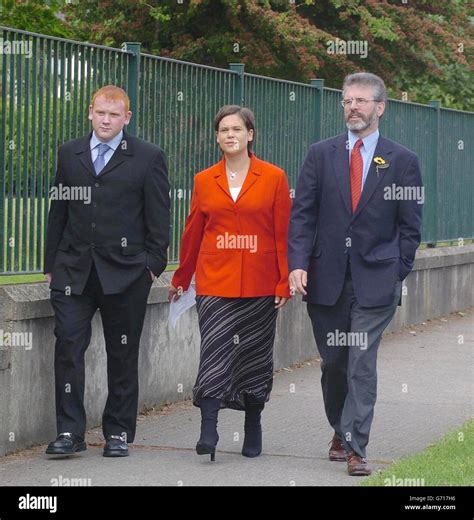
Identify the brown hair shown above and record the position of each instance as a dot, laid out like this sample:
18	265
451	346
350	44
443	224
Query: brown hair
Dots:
112	93
244	113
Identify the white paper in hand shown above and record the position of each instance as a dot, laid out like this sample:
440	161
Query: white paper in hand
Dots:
185	302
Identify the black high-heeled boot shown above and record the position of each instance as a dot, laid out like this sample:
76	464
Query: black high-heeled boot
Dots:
206	444
253	430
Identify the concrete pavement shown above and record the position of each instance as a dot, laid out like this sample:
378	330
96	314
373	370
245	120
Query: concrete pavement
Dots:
425	388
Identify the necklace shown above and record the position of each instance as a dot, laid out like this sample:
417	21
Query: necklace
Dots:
233	173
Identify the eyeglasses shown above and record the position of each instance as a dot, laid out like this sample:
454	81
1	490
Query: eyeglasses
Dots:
361	102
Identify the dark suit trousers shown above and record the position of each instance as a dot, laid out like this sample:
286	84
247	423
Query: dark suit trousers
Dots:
349	361
122	318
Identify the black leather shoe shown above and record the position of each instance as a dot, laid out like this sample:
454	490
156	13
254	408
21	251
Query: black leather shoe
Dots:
115	446
66	444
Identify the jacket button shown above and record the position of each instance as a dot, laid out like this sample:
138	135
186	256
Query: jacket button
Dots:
96	184
93	224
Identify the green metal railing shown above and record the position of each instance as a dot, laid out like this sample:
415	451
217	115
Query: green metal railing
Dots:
47	84
414	126
455	178
285	126
176	109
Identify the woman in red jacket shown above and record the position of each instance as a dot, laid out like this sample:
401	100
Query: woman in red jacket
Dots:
235	241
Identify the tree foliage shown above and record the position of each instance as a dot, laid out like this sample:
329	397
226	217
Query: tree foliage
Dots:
421	48
34	15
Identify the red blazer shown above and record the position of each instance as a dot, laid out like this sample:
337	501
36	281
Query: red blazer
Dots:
237	249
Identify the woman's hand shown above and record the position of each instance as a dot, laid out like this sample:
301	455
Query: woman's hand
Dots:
280	302
174	293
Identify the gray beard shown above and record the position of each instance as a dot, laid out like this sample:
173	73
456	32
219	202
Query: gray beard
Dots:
361	125
358	127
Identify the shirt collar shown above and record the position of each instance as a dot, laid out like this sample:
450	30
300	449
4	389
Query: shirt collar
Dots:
369	141
113	143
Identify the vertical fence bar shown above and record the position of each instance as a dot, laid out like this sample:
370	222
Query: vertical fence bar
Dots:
11	156
3	153
133	83
434	187
239	92
75	96
47	157
17	159
67	80
39	166
318	107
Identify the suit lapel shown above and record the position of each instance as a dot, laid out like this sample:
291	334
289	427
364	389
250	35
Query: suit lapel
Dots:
221	178
251	178
84	153
341	169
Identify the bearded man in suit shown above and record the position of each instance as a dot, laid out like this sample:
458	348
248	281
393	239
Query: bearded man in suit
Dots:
351	244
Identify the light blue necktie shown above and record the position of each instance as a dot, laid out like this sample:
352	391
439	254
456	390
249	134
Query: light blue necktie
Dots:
99	162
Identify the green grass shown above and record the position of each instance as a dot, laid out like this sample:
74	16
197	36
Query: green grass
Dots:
448	462
21	278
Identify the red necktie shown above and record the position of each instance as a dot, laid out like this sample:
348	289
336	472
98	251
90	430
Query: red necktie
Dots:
356	174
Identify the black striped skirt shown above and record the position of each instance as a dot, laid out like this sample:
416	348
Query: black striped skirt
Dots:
237	336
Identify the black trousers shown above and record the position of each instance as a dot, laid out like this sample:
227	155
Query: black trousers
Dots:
122	318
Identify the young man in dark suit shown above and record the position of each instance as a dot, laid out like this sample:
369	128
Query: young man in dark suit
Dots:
354	230
106	241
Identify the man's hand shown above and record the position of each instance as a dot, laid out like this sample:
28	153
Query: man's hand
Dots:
298	280
49	277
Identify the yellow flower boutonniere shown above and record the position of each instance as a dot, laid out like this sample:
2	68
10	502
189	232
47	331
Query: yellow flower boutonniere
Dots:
381	163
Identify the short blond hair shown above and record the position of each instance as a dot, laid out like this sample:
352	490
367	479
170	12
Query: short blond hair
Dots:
112	93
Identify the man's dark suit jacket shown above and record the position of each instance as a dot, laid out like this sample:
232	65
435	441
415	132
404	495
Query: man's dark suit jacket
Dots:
125	227
380	238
